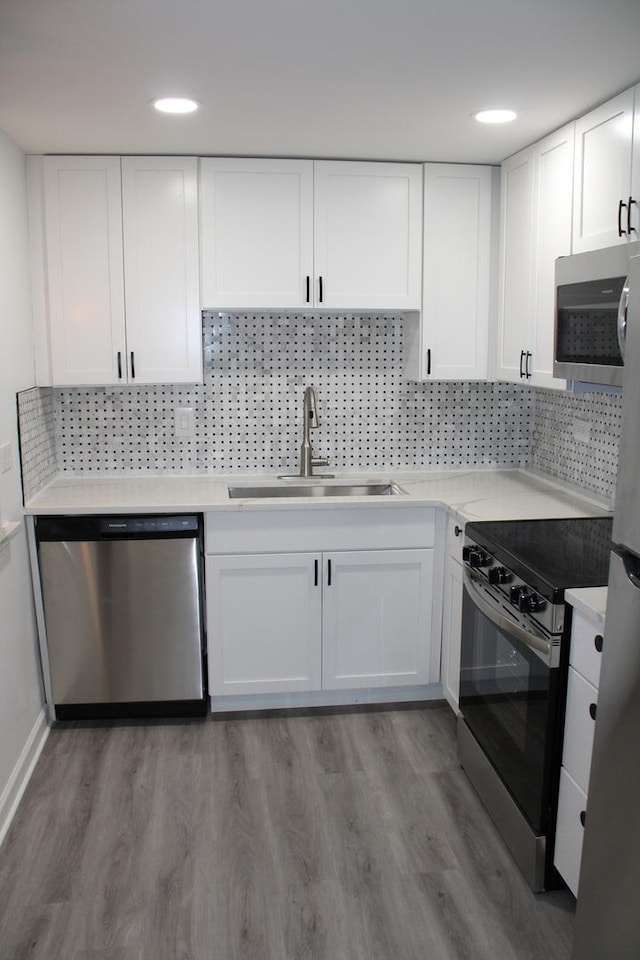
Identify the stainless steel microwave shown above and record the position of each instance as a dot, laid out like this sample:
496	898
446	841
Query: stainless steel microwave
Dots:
591	313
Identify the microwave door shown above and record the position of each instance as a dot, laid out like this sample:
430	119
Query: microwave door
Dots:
626	522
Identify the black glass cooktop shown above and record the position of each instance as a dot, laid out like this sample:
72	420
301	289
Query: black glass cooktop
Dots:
551	556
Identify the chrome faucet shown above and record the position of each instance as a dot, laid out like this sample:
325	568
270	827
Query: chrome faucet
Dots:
310	422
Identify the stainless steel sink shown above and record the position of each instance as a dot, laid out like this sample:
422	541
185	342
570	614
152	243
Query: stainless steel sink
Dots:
278	490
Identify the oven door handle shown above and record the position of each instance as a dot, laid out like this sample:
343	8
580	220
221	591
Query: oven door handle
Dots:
542	648
623	309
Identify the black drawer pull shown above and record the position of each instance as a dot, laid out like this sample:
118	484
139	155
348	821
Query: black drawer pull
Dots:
527	367
315	573
328	573
308	286
630	203
593	707
583	816
598	641
457	530
522	356
119	365
320	290
133	367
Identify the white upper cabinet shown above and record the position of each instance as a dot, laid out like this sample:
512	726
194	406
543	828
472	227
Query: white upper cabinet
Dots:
552	220
256	233
605	200
294	234
449	341
368	235
81	261
536	217
115	258
516	259
164	326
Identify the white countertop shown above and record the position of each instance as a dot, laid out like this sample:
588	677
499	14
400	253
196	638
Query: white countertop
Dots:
592	601
469	494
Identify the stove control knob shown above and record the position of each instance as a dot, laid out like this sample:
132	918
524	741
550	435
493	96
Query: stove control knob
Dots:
499	575
531	603
516	594
478	558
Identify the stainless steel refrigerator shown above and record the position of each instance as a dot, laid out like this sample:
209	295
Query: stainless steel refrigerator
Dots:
608	910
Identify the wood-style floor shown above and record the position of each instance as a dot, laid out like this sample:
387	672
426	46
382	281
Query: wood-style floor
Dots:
338	837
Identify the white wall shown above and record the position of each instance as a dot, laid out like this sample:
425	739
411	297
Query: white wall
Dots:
20	688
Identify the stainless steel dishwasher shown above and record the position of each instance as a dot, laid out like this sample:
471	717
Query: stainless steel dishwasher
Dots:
122	598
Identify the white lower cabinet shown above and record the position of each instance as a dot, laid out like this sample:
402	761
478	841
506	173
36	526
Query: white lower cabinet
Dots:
452	614
579	728
376	618
263	623
296	622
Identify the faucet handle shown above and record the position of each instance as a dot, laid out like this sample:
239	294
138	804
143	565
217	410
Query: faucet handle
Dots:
319	462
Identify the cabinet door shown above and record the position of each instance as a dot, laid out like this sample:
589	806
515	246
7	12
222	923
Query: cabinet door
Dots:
263	623
368	235
602	175
455	291
451	632
579	727
515	281
634	215
572	805
164	327
256	233
553	205
377	618
83	268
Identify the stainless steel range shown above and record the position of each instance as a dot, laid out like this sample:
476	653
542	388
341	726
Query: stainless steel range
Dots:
514	658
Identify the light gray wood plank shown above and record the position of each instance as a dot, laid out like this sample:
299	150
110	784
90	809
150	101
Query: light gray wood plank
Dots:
351	835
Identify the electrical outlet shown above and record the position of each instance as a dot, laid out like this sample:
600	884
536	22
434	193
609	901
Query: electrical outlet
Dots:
6	457
185	422
581	430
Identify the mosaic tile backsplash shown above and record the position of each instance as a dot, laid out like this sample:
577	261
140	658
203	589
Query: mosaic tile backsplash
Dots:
575	437
37	439
248	412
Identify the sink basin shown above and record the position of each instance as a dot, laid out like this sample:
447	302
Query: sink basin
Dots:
278	490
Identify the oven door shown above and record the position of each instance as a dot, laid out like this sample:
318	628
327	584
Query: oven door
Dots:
509	695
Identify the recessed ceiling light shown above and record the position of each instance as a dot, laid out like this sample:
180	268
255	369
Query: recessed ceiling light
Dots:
175	105
495	116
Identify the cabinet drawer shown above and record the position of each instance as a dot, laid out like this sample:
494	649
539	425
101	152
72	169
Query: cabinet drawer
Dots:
315	530
584	655
579	728
572	804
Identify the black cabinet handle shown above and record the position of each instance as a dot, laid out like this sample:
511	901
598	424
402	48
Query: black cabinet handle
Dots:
527	367
621	206
328	573
583	816
593	707
315	573
308	294
598	641
429	361
133	367
320	290
631	202
119	365
522	356
457	530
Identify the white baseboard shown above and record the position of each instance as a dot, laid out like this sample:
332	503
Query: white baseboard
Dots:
21	774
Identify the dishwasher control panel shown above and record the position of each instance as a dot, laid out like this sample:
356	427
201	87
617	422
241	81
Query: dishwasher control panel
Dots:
127	526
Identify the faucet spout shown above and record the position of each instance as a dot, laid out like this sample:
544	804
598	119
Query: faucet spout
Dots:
310	421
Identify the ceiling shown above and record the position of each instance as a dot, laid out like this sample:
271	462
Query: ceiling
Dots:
308	78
